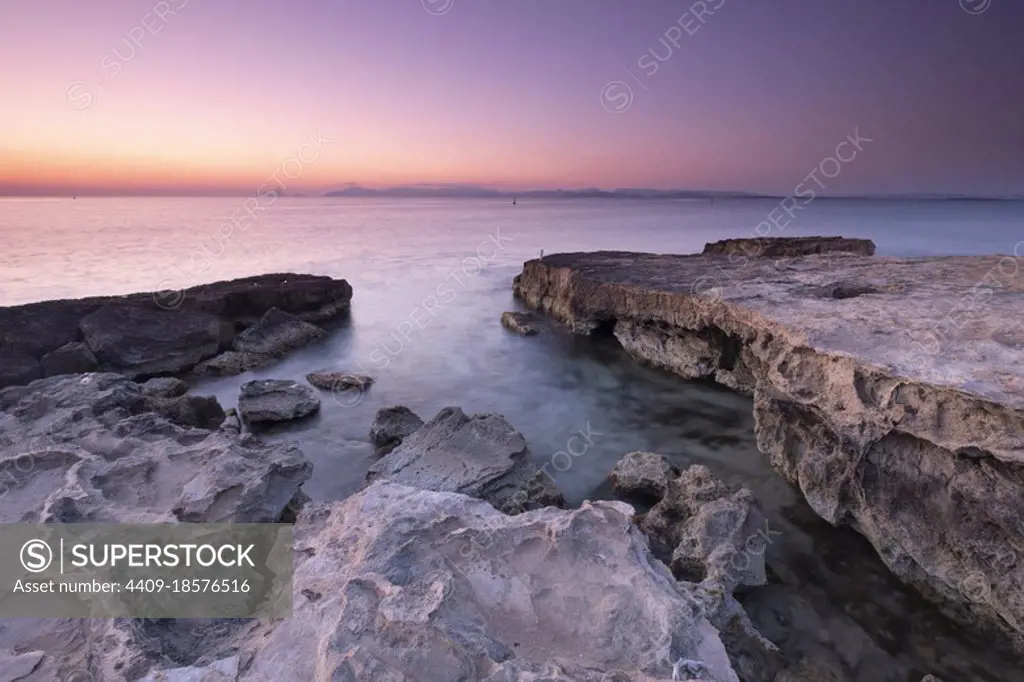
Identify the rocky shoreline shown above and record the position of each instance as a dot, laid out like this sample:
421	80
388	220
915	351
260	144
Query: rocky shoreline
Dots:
889	391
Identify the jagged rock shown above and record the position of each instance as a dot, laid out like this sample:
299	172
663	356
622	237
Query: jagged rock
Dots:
190	411
643	475
37	329
90	449
403	584
520	323
339	381
392	425
275	334
480	455
787	247
71	358
164	387
224	670
276	400
17	367
230	363
232	423
854	397
140	342
706	531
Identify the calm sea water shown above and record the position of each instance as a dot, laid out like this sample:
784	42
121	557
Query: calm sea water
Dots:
457	258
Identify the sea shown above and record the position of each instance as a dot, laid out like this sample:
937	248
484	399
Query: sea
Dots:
431	278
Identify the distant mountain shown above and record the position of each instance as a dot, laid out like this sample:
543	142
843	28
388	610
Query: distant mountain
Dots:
472	191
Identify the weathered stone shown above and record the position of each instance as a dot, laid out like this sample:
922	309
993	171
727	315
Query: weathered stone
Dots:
643	475
230	363
407	584
520	323
787	247
224	670
479	455
898	413
140	342
15	667
71	358
164	387
276	400
339	381
190	411
17	367
89	449
232	422
707	531
392	425
276	333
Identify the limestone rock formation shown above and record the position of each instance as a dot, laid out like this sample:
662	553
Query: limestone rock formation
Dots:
789	247
392	425
899	412
147	334
276	333
520	323
402	584
480	455
643	475
276	400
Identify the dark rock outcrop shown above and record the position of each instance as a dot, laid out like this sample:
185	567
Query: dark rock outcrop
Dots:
788	247
339	381
154	333
899	413
71	358
164	387
276	333
190	411
392	425
479	455
276	400
230	363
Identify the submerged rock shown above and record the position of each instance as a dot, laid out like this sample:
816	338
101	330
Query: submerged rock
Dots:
71	358
275	334
520	323
339	381
409	584
276	400
480	455
853	394
392	425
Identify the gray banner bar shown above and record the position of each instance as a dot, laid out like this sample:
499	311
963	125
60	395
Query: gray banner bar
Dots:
188	570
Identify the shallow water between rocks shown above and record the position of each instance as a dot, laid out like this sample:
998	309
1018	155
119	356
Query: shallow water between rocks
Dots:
830	598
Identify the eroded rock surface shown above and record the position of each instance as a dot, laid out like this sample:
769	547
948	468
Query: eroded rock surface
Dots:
480	455
401	584
898	412
71	358
789	247
276	400
643	475
339	381
520	323
392	425
276	333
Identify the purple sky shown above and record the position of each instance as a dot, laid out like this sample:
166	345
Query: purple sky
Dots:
753	96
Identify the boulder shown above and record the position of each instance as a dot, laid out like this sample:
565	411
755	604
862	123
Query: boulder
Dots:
643	475
339	381
275	334
480	455
17	367
520	323
231	424
402	584
707	531
142	342
71	358
392	425
190	411
276	400
230	363
164	387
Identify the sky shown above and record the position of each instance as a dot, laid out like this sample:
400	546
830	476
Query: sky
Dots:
225	96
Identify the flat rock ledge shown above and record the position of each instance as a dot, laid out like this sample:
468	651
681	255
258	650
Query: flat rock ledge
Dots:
890	391
254	320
